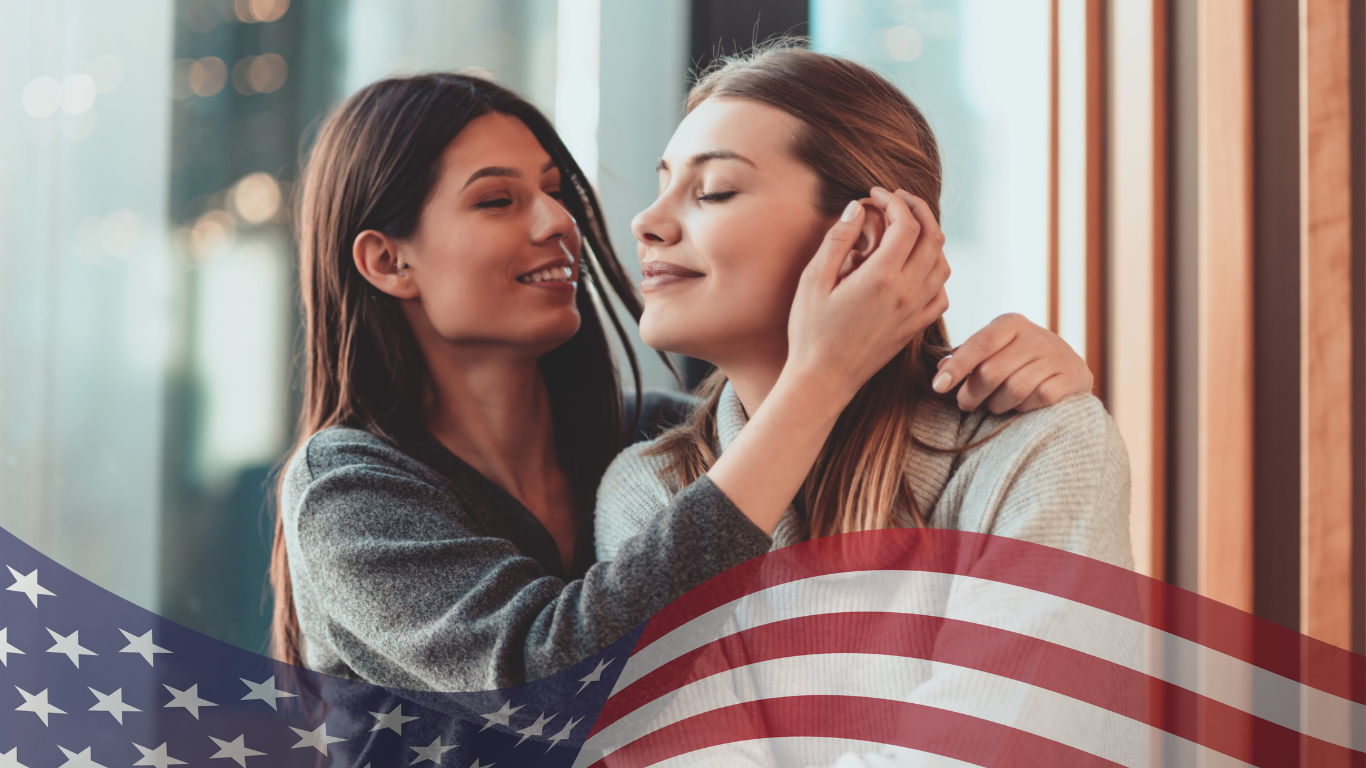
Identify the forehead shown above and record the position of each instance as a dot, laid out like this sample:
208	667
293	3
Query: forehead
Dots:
755	130
494	139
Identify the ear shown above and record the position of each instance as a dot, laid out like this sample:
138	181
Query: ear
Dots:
377	259
870	236
874	224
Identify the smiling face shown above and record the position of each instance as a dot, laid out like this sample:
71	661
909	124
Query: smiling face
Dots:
722	248
494	258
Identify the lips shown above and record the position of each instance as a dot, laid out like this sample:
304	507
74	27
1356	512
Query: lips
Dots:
657	274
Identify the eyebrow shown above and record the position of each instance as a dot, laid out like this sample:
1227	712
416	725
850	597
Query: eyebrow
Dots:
701	158
502	171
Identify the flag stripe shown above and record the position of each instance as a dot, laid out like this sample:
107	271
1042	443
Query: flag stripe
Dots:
981	695
1040	568
963	644
1179	662
912	726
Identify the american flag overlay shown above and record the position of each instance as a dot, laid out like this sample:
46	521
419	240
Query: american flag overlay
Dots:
878	649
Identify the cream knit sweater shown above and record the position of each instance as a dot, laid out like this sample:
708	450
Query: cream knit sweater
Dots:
1058	476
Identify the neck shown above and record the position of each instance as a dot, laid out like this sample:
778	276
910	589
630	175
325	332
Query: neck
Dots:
754	376
493	411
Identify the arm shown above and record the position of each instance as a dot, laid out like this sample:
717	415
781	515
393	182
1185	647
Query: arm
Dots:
411	595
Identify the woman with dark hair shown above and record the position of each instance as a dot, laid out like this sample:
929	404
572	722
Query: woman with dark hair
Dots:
461	402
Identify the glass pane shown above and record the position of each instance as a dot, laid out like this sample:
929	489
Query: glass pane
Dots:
979	71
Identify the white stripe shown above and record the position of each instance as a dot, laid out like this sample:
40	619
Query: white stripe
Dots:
845	753
997	699
1034	614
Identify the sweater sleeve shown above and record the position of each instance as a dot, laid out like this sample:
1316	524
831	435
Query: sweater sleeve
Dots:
408	594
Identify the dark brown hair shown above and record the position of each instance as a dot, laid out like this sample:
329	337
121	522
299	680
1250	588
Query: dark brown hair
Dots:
375	162
857	131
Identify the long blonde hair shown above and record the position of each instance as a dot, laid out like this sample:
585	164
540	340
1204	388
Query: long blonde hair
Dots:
857	131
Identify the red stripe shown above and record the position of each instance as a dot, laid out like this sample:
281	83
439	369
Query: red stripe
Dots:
1028	660
912	726
1040	568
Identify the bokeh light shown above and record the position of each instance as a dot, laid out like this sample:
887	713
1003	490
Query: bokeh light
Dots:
107	70
256	198
42	96
78	127
267	73
211	235
901	43
78	94
208	76
120	234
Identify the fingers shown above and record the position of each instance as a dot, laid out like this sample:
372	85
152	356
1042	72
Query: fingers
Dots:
1051	390
929	246
902	231
834	250
998	334
1020	386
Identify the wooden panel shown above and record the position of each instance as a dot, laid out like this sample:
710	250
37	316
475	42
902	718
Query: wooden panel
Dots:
1225	302
1054	159
1136	392
1096	341
1325	323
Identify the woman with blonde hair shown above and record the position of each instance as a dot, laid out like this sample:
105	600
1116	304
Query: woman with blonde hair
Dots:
774	145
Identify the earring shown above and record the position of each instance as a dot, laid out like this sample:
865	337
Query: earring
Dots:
402	266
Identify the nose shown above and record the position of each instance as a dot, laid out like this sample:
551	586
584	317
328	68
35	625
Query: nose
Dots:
655	226
551	221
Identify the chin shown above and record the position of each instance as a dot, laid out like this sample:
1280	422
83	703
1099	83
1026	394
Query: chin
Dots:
667	337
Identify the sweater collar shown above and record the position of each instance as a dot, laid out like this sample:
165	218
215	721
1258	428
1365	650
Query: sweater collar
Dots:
936	423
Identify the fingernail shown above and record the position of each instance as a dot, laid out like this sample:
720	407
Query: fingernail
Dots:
941	382
850	210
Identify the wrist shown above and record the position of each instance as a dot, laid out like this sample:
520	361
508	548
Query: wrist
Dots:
811	393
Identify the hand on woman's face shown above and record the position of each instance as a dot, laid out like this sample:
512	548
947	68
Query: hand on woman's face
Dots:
490	235
722	248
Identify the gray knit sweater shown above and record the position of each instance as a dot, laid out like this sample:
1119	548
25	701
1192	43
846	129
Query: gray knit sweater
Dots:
412	570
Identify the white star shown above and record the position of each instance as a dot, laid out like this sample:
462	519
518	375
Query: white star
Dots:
393	721
113	704
432	752
157	757
501	716
316	738
563	734
28	585
10	759
478	764
37	704
188	698
78	759
235	749
593	676
535	728
264	691
71	646
5	650
142	645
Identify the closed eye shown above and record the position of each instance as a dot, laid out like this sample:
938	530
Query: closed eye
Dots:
716	197
500	202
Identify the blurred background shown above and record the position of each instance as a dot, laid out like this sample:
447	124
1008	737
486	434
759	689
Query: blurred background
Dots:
1115	170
